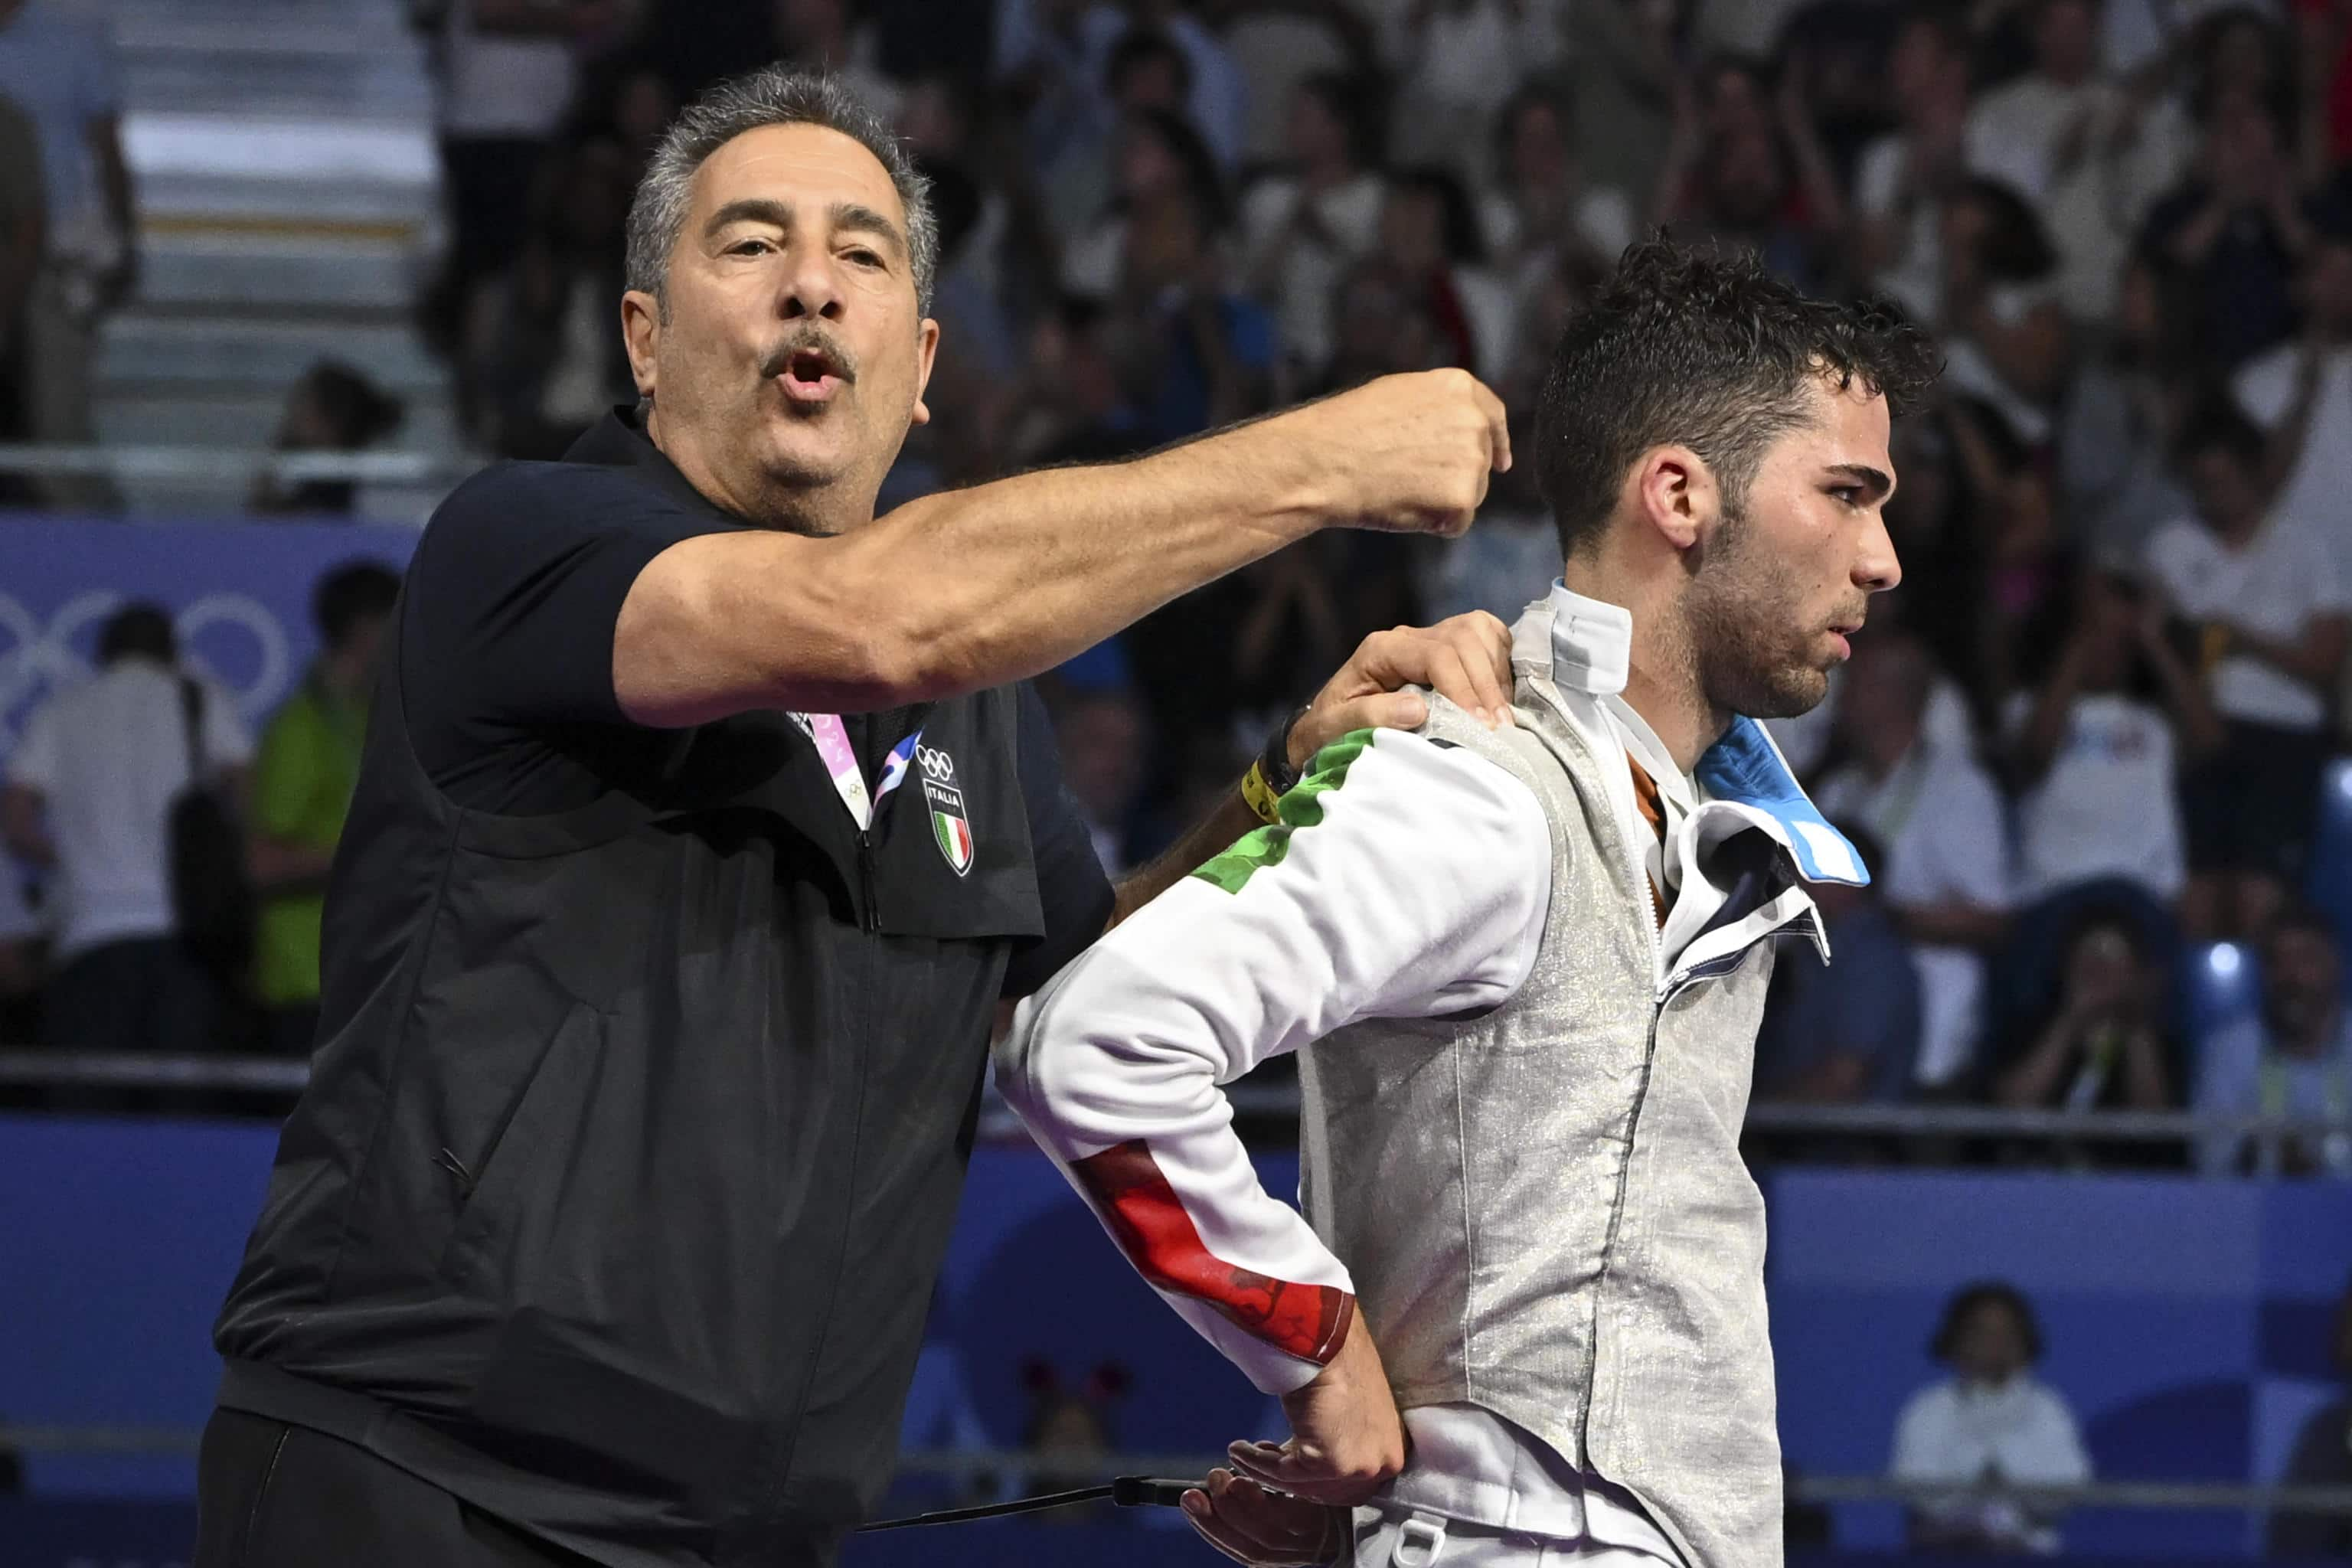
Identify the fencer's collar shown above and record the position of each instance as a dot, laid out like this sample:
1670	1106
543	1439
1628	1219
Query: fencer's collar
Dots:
1592	647
1586	645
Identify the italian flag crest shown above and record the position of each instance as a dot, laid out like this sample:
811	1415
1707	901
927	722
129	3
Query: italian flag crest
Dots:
950	825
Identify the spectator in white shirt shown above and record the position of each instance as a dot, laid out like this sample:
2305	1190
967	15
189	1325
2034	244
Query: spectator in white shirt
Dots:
2082	152
2031	133
1946	874
1990	1427
2094	747
1301	229
1903	177
2122	414
2005	334
2264	591
2318	487
87	796
1540	207
2295	1060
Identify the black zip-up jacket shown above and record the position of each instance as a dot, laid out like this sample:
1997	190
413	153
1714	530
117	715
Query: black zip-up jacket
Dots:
636	1127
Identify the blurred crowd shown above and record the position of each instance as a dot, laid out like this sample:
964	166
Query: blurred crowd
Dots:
2088	739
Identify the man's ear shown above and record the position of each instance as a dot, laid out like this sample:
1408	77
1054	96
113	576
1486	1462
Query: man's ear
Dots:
641	329
1675	492
927	353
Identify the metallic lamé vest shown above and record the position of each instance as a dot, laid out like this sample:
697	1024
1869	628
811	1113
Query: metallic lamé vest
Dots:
1543	1207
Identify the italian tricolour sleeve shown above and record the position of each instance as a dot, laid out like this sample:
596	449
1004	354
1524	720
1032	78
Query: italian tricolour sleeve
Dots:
1406	878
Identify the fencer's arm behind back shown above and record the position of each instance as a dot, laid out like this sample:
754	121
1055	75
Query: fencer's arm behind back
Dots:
973	588
1404	891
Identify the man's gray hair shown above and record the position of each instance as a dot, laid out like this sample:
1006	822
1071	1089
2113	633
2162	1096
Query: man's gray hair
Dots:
774	96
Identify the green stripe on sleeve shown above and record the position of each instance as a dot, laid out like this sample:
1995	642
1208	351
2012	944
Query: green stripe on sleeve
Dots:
1302	807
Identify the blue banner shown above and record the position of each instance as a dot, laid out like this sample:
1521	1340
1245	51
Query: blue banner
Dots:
239	593
2187	1322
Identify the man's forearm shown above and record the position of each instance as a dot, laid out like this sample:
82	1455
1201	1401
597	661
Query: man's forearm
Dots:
971	589
1204	841
1020	575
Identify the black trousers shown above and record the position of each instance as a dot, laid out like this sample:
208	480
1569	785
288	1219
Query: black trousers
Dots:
269	1495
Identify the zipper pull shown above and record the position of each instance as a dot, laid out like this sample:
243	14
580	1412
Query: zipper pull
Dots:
872	921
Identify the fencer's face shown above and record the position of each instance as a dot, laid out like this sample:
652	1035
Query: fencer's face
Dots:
1780	583
791	355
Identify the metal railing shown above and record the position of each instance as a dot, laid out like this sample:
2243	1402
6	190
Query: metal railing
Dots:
969	1464
131	1070
220	465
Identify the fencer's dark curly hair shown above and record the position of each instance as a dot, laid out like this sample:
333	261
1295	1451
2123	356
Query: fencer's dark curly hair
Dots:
1702	348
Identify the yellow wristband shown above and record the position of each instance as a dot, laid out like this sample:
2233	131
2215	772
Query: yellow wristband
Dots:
1259	794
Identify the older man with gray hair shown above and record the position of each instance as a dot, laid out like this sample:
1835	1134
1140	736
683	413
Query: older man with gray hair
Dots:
699	833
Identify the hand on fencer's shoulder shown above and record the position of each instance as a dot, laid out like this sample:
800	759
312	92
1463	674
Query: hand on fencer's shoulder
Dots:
1347	1440
1407	453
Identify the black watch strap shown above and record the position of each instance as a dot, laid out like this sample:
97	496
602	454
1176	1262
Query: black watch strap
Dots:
1275	761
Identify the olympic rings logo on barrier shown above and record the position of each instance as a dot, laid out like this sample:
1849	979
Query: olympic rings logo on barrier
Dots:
36	660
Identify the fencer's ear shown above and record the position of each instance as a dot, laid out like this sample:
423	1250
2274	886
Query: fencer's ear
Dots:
1673	493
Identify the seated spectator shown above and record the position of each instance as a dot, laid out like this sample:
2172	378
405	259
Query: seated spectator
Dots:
334	408
1302	228
1429	234
1192	355
2293	1060
1849	1036
1382	323
1202	81
2101	1045
2317	487
2233	232
2079	151
2263	590
303	779
1541	209
1902	178
2028	567
2322	1457
1155	155
1946	872
1069	406
2092	750
88	793
1747	170
2003	331
1624	66
1988	1430
555	366
1105	741
2121	417
1454	63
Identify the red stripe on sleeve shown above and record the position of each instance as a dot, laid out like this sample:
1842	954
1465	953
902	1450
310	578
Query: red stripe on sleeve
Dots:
1149	1221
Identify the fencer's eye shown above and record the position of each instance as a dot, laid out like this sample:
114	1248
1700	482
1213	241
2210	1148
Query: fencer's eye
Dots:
1847	495
863	258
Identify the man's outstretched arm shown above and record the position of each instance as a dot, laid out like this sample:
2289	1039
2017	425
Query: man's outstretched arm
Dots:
977	587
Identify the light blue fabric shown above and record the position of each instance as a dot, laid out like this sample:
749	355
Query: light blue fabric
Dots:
1746	767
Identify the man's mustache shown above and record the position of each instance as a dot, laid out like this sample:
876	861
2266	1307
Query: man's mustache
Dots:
809	340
